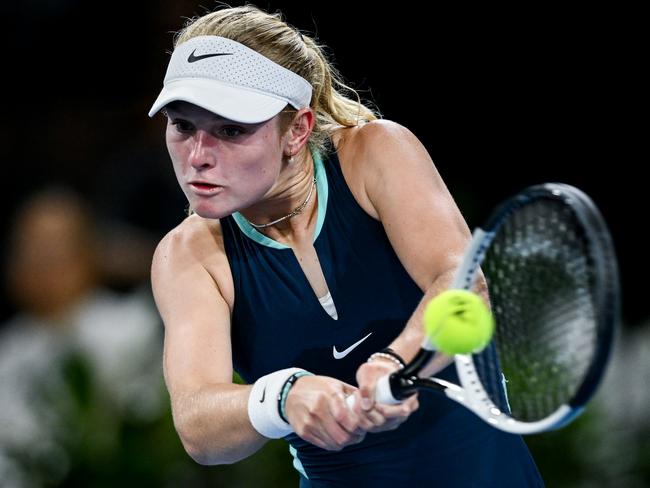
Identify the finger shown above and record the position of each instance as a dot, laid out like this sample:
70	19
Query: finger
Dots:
348	389
346	418
319	428
357	438
333	432
318	441
363	422
319	435
376	417
311	434
366	396
371	419
367	376
390	425
366	387
413	403
404	409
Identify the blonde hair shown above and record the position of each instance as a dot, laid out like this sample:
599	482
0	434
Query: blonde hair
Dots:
271	36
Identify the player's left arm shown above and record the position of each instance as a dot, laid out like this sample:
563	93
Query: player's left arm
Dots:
402	188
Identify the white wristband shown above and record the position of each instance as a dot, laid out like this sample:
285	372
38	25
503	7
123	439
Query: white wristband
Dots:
263	404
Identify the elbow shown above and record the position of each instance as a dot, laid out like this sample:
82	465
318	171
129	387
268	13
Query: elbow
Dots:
196	447
204	458
208	459
207	439
193	446
199	455
192	435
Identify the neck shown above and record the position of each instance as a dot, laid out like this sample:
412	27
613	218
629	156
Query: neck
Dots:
291	206
298	210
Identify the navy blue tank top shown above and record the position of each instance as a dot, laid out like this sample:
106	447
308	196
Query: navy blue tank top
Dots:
278	322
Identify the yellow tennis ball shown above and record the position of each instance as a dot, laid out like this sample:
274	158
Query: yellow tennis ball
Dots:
458	322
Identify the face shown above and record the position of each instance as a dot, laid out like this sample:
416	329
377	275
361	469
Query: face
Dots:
51	262
222	166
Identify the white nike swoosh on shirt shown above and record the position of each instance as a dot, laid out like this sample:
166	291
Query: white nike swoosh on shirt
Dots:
342	354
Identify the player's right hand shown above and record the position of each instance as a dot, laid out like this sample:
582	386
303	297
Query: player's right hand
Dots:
317	411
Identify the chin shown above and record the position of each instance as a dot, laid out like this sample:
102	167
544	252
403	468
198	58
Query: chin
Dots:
209	212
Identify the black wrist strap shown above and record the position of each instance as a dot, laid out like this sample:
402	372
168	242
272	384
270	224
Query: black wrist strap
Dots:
284	392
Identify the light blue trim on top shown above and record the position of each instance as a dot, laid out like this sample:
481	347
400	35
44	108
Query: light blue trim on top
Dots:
322	190
250	231
296	462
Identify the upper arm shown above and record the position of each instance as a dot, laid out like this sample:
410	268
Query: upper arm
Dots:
404	189
196	315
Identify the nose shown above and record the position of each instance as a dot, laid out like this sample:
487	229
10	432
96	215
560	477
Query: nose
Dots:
203	151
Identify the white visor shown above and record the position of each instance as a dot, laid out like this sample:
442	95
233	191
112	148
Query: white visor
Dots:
230	80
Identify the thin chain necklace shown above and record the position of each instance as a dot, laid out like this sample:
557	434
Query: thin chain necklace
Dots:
298	210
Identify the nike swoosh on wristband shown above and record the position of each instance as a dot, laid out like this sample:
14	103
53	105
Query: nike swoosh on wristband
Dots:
263	395
342	354
193	59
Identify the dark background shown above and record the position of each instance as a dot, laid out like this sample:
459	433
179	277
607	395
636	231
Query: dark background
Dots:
501	97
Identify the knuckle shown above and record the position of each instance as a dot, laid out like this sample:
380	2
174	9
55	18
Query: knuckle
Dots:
339	415
324	445
346	418
376	421
302	431
320	400
342	439
333	445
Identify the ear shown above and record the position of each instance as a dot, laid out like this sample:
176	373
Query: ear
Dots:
299	131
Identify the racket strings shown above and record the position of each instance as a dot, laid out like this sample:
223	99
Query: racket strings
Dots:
539	278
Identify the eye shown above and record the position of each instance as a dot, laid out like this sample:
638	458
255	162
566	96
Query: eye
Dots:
182	125
231	131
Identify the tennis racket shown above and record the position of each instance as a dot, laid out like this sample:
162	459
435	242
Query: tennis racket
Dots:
552	279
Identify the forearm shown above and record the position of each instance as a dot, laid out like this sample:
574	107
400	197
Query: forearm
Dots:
213	424
410	340
408	343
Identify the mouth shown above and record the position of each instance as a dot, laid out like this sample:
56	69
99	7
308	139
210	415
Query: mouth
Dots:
204	187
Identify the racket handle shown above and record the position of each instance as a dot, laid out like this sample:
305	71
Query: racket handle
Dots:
383	393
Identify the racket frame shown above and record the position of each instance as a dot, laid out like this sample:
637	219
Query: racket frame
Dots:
471	393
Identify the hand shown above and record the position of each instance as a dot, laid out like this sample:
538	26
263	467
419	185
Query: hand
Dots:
382	417
317	411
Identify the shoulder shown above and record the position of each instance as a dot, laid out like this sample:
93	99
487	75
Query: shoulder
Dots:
370	139
401	187
375	151
195	243
194	237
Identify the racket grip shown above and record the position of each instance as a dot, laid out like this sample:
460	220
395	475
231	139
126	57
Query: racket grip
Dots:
383	393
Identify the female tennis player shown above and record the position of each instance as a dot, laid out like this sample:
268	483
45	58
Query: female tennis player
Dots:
317	232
